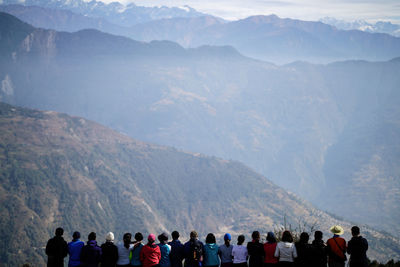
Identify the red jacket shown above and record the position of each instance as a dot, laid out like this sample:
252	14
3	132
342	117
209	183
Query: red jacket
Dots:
336	247
269	250
150	255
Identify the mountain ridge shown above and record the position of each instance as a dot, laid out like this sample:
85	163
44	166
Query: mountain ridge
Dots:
282	121
59	170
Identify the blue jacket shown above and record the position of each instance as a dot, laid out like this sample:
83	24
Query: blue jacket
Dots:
74	251
211	257
165	251
135	261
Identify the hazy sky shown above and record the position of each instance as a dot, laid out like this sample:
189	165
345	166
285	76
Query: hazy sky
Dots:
370	10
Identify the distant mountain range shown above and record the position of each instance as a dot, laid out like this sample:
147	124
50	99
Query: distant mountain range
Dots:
115	12
268	38
362	25
327	132
58	170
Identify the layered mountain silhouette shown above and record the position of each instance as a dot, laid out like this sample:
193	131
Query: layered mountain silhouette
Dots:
316	130
115	12
268	38
58	170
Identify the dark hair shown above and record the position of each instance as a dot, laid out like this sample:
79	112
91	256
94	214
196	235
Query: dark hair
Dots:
271	237
287	237
318	235
304	237
355	230
127	239
210	239
241	239
76	235
193	234
163	237
255	235
59	231
138	236
175	235
92	236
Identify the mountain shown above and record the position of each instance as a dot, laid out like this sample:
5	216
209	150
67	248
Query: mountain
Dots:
59	170
279	40
315	130
59	19
362	25
267	38
115	12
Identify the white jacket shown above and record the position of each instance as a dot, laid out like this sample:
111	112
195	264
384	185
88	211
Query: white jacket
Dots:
286	251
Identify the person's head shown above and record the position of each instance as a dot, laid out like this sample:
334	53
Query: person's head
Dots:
210	239
337	230
304	237
240	239
59	231
110	237
175	235
163	238
318	235
355	231
227	238
92	236
271	237
127	239
193	235
287	237
256	236
151	238
138	236
76	235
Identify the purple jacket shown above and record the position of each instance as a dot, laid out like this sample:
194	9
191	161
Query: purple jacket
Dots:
91	254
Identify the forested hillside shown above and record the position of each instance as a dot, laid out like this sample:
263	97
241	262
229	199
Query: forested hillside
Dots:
58	170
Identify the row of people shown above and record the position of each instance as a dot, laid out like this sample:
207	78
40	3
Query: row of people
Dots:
196	254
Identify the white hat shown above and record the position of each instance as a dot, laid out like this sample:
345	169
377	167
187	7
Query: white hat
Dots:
110	236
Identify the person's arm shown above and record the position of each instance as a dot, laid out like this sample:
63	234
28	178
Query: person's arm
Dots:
365	242
276	254
141	254
294	252
158	251
349	248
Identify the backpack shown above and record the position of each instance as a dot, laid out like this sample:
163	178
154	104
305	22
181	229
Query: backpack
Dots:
196	250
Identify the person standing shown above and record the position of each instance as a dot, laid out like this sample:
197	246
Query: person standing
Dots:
91	252
150	255
286	250
255	250
225	251
318	251
137	247
56	249
74	250
240	253
176	254
193	250
357	248
124	250
336	247
269	250
109	252
303	250
165	250
211	258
